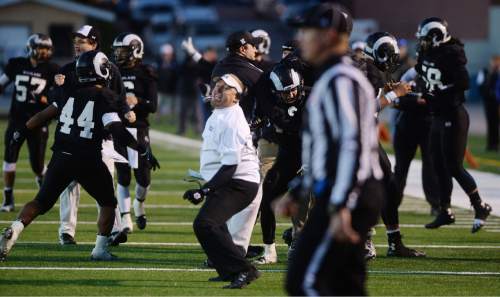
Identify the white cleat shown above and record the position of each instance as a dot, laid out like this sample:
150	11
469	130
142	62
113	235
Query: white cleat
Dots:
270	256
370	251
7	241
102	255
7	208
127	224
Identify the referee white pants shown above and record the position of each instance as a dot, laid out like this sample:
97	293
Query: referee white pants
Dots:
70	199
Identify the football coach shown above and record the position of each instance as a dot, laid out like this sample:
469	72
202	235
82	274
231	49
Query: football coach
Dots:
229	163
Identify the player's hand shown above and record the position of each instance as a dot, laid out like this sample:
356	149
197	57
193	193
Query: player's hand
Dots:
341	227
153	162
195	196
130	116
286	206
401	88
131	100
59	79
187	45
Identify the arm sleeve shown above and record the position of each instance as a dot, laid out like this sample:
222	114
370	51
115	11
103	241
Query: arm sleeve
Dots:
222	177
349	142
10	69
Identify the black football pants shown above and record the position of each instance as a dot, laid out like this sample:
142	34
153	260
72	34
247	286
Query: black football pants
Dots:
37	144
142	174
413	131
211	229
393	198
448	144
285	168
323	266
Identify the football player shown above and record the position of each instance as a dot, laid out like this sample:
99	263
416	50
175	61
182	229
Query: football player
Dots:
83	114
87	38
280	105
32	76
383	56
140	81
441	63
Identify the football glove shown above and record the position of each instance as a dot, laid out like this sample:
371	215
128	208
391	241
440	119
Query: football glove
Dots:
195	196
152	161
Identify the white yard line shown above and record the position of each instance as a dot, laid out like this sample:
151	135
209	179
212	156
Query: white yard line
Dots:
189	244
455	226
385	272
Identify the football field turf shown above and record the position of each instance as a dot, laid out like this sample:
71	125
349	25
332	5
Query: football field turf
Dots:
165	259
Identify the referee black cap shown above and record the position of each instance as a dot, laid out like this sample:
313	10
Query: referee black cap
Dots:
323	16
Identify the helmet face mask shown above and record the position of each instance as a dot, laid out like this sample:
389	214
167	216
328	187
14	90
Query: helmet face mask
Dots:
39	47
289	96
128	50
382	48
431	33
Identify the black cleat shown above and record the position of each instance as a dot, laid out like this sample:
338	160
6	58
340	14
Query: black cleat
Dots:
444	218
480	216
208	264
288	236
141	222
254	251
243	279
398	249
118	237
8	201
66	239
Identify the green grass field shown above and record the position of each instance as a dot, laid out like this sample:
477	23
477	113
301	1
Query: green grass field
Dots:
165	259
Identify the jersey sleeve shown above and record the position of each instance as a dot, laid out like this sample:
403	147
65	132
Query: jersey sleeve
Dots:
10	69
116	85
109	107
150	101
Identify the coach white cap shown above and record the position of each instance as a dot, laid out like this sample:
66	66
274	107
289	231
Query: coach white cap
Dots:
233	81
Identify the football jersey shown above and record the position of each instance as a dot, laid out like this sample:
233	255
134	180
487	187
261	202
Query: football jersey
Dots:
83	114
446	78
141	81
31	86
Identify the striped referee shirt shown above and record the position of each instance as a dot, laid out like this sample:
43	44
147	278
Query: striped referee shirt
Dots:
340	139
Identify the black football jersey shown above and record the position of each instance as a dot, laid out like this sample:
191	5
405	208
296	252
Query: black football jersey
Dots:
443	70
31	87
141	81
83	114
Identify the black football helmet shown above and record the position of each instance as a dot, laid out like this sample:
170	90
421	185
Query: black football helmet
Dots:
38	41
288	84
432	32
93	67
128	49
382	48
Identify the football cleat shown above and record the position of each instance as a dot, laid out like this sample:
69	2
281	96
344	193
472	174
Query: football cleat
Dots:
254	251
118	237
102	255
270	256
8	201
370	251
6	242
66	239
243	279
480	216
127	223
444	218
398	249
7	208
141	222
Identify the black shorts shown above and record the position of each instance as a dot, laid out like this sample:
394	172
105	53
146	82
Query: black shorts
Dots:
142	174
91	173
37	143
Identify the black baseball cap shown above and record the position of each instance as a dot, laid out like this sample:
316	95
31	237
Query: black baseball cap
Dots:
89	32
290	45
240	38
323	16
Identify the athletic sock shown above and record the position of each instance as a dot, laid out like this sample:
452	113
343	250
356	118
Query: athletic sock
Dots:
101	242
8	196
475	199
123	197
18	227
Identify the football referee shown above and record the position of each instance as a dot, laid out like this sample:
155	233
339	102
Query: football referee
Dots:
340	152
229	163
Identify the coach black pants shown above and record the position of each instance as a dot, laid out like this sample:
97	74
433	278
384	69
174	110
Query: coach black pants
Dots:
448	142
211	229
323	266
413	131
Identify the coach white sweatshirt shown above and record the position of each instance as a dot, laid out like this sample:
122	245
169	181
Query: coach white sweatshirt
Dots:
227	141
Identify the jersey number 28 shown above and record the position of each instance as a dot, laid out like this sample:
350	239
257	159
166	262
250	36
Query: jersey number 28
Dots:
85	120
